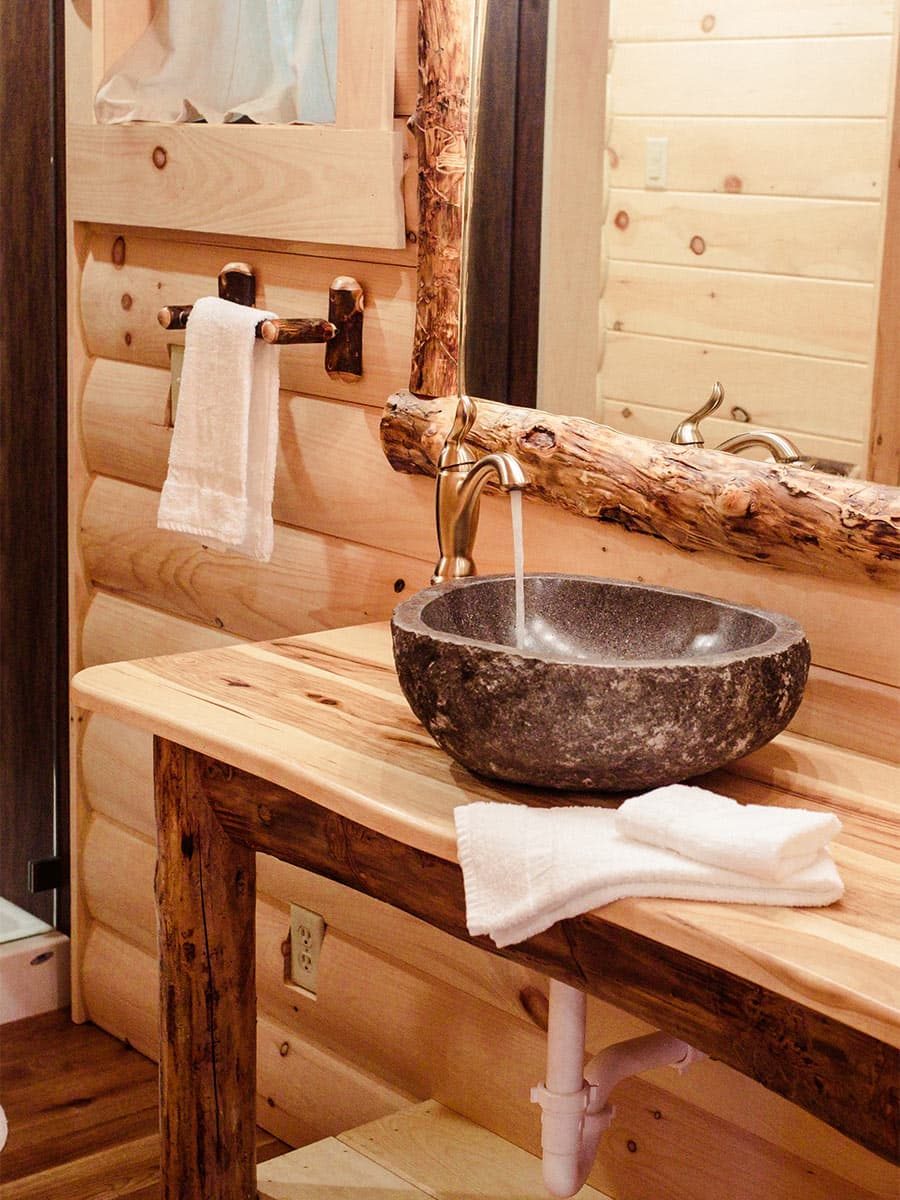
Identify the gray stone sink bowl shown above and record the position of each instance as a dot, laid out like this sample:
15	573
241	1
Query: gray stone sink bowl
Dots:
620	686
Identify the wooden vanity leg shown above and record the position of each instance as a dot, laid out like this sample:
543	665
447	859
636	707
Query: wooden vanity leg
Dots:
205	892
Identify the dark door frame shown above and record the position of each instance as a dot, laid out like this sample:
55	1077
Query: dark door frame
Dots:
33	561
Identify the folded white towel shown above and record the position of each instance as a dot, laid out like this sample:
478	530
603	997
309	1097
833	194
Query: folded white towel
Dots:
526	868
755	839
222	459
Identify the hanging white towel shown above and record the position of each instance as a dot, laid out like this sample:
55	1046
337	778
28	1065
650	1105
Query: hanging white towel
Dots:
222	459
526	868
755	839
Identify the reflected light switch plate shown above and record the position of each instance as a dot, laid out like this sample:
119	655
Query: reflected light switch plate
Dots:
656	163
176	362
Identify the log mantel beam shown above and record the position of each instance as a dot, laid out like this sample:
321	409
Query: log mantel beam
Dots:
694	499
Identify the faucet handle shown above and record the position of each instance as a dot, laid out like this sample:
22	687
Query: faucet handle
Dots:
687	432
455	452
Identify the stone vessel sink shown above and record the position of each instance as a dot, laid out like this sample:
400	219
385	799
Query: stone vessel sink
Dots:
619	686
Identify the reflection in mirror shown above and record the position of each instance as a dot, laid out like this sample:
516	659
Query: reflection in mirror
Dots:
741	216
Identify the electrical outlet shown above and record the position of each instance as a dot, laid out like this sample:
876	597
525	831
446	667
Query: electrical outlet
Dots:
307	935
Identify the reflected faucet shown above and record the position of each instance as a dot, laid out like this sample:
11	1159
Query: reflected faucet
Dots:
460	481
687	433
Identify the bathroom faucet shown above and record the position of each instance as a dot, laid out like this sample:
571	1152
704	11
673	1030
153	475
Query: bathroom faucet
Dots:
460	480
687	433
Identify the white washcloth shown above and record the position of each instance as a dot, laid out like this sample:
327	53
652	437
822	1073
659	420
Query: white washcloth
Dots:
222	459
755	839
526	868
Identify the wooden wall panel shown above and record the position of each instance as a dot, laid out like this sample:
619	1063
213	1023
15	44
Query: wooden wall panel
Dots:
121	983
819	157
790	235
826	319
314	182
119	304
782	391
117	776
772	77
116	630
851	712
671	19
312	582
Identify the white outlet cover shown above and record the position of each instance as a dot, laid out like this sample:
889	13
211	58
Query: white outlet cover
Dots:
307	936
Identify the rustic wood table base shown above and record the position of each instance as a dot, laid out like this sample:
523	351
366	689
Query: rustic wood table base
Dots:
212	817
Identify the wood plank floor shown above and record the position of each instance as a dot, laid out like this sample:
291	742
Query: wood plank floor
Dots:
82	1112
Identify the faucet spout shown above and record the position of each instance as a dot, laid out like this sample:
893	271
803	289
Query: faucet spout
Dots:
504	467
458	502
780	447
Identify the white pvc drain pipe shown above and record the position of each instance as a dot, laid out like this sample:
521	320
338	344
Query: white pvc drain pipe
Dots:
574	1098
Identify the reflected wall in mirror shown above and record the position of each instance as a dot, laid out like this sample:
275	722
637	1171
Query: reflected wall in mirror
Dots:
734	231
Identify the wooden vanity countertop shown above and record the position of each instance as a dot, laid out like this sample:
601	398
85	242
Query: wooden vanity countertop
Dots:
322	715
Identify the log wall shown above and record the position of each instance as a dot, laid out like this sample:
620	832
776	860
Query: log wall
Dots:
352	537
756	263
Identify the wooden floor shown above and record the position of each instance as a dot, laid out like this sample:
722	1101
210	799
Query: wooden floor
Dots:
82	1111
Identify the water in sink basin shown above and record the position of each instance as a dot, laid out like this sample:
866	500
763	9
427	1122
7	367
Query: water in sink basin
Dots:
582	619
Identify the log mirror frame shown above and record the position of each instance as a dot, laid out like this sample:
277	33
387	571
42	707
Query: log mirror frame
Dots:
694	499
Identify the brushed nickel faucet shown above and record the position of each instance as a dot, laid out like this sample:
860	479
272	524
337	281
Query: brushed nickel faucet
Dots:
687	433
460	481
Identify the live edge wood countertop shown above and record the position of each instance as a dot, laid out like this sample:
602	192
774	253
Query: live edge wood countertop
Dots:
345	781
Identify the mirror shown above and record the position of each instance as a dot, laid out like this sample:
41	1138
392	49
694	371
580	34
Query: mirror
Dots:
733	232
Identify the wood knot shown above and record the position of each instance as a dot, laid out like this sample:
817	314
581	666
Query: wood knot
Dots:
735	502
127	301
284	1049
734	183
536	1005
539	437
160	157
265	814
622	220
234	682
708	23
698	245
118	252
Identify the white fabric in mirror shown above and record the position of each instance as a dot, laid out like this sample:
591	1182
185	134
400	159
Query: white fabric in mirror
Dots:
270	61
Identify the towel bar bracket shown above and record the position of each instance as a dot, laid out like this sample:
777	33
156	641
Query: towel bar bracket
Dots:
342	332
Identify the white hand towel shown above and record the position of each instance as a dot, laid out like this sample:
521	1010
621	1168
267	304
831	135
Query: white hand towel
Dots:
526	868
222	460
770	843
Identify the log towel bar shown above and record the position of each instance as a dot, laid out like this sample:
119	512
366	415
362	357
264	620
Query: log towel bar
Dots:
341	332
